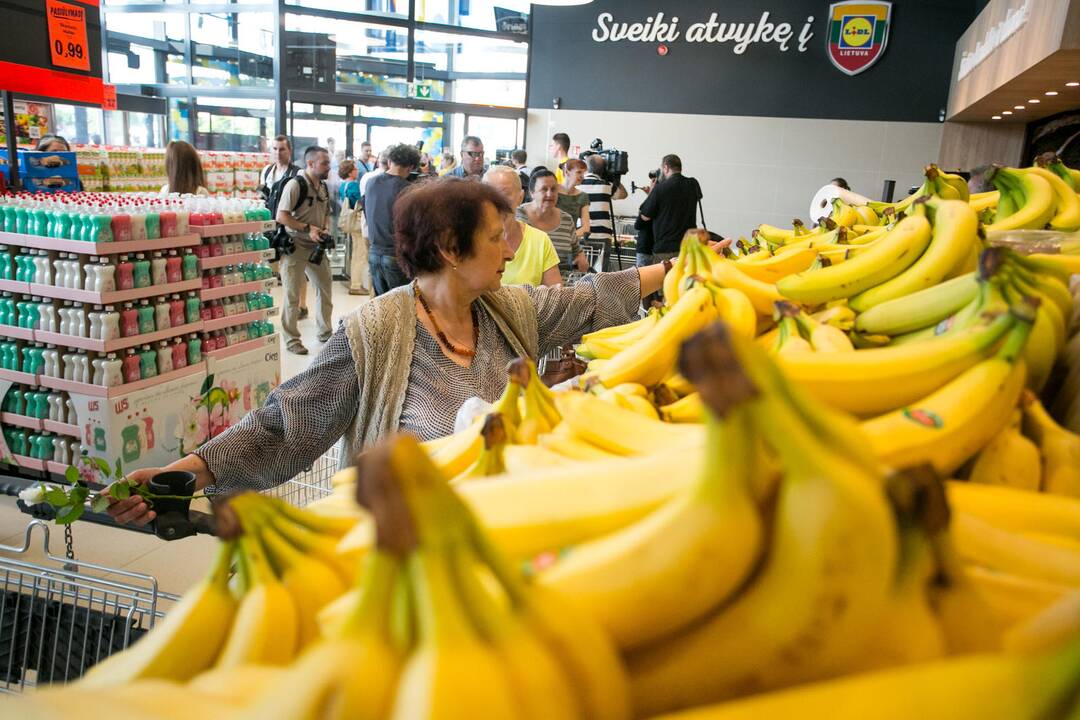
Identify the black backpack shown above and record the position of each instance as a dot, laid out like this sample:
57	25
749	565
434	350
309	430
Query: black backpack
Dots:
279	238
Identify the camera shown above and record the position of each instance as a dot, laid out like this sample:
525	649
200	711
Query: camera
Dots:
326	242
616	162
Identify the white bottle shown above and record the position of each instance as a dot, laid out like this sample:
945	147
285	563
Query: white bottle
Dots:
51	358
64	325
110	323
95	317
91	272
114	371
72	417
82	368
60	272
75	273
76	451
69	366
42	270
78	320
98	365
158	275
47	317
106	276
56	404
161	315
164	359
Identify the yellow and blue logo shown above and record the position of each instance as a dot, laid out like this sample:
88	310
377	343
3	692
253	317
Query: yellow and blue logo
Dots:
858	32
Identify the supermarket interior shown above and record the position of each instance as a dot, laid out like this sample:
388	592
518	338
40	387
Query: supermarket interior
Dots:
565	359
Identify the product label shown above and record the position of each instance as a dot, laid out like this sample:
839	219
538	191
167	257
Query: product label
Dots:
67	35
108	97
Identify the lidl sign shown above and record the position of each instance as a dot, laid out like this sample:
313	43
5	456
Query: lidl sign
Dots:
858	32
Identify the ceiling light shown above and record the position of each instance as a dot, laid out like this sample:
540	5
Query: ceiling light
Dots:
996	117
1034	101
1072	84
1006	112
1018	107
1051	93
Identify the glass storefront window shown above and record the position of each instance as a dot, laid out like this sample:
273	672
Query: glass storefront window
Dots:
233	49
505	93
389	8
465	53
78	124
498	15
166	27
497	134
234	124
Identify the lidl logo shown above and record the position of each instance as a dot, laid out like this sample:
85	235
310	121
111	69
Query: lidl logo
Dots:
858	32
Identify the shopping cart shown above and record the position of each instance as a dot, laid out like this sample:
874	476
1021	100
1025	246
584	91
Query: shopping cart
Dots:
59	616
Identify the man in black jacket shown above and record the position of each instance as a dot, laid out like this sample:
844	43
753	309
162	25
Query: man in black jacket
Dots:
671	209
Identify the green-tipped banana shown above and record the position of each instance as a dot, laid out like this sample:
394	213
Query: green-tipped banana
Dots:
1033	195
919	310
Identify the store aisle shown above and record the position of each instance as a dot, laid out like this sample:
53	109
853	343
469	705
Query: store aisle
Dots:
344	303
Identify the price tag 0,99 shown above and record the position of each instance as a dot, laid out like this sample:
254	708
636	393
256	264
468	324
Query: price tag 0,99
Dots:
67	35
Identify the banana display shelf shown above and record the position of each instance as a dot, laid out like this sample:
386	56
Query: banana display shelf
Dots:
873	511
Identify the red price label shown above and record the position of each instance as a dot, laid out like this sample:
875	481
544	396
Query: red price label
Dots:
67	35
108	96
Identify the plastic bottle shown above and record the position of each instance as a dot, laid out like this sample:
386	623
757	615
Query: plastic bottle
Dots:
179	354
110	324
48	322
95	318
64	324
129	321
192	308
190	263
92	272
146	317
216	310
82	367
138	225
33	313
6	308
147	363
78	320
42	270
141	271
167	218
60	271
56	407
72	417
121	226
174	268
164	358
113	371
182	220
21	220
68	360
106	276
97	376
125	274
162	314
75	273
131	367
194	349
158	269
216	279
51	358
153	223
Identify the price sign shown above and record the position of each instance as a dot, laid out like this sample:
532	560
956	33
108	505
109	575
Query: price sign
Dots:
67	35
269	226
108	96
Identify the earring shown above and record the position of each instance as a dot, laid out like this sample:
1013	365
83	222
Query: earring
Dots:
454	266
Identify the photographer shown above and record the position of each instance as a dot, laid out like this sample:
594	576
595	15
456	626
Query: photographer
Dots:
671	207
304	210
379	199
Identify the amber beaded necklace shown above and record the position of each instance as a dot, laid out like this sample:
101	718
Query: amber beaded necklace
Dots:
464	352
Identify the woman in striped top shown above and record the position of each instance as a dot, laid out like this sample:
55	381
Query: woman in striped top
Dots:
543	214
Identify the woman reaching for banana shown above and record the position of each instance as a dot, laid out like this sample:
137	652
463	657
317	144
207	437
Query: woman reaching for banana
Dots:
407	360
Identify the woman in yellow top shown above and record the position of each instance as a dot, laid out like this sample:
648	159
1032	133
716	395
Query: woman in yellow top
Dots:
535	260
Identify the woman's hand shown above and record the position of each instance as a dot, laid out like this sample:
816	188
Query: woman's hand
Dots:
581	263
134	509
719	245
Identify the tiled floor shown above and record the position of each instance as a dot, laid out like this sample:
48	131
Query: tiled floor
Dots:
176	565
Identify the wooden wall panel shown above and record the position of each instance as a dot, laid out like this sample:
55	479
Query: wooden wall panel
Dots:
968	145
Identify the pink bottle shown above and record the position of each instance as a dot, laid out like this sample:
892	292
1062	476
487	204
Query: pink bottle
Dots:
121	225
129	322
174	268
125	277
132	371
176	311
217	310
202	251
205	312
216	280
167	218
217	248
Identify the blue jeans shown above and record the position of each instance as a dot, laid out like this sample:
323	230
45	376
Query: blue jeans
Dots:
386	274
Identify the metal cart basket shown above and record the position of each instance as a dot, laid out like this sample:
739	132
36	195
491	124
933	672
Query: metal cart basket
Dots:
59	616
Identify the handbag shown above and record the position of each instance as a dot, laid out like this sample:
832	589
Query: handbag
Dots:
569	365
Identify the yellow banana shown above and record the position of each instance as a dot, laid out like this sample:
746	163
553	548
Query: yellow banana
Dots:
780	265
689	409
999	550
565	444
920	309
727	274
1059	449
948	426
620	431
1067	212
1015	599
1036	198
886	259
1017	510
182	645
1008	459
735	308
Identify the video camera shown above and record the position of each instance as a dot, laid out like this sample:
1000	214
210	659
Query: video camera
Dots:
616	162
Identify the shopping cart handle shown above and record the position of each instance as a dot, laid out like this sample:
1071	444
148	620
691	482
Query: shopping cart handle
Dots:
175	519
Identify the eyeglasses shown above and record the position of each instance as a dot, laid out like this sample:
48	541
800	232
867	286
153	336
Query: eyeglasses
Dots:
473	153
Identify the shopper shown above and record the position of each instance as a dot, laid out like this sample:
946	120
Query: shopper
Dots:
543	214
560	150
381	164
379	199
472	159
52	143
272	181
840	183
427	167
449	162
672	207
519	160
535	261
304	210
352	228
571	200
184	170
367	159
407	360
601	192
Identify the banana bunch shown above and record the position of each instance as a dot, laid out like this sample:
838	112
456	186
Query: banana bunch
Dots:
1027	200
1053	163
797	332
607	343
